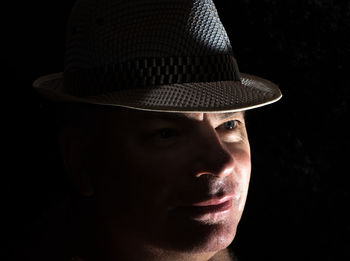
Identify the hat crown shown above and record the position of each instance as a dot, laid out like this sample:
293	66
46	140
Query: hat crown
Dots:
102	32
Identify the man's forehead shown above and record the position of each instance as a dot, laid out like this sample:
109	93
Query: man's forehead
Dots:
129	113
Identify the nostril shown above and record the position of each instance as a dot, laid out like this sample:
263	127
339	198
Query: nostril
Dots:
203	173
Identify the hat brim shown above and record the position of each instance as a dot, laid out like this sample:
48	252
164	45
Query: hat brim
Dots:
222	96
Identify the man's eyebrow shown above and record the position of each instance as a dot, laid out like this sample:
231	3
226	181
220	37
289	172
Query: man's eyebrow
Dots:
226	115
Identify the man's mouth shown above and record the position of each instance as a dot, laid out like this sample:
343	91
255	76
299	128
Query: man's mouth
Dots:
213	201
212	209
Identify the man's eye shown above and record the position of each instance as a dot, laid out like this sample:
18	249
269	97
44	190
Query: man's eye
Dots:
230	125
230	131
165	134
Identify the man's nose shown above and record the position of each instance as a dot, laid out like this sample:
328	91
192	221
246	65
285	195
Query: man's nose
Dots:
212	156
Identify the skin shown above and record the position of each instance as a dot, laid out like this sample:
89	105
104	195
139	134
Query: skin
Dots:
148	168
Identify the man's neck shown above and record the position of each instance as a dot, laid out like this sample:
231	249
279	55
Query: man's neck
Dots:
222	255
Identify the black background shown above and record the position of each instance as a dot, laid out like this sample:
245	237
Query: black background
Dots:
298	203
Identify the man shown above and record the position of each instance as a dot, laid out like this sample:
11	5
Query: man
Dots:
153	128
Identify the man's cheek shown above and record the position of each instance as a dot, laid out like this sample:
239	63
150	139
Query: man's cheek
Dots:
241	173
241	156
146	183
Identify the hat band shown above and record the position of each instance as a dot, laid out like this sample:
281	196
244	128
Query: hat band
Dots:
150	72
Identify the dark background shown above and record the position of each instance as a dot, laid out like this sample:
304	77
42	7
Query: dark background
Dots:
298	203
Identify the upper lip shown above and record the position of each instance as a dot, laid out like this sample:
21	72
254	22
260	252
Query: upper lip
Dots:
212	201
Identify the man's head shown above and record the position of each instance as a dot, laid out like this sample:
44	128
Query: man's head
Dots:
171	181
166	155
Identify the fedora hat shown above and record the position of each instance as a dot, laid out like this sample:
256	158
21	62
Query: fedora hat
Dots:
154	55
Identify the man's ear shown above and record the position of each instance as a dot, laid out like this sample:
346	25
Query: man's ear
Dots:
74	148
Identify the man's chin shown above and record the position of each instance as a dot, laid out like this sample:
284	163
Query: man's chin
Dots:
199	237
215	238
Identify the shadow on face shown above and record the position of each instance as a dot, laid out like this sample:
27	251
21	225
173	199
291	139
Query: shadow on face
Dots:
171	181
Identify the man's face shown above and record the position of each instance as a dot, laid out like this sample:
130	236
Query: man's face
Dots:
176	181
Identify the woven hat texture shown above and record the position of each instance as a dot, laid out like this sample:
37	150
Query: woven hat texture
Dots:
161	55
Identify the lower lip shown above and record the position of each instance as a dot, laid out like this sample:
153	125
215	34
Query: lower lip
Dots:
207	211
